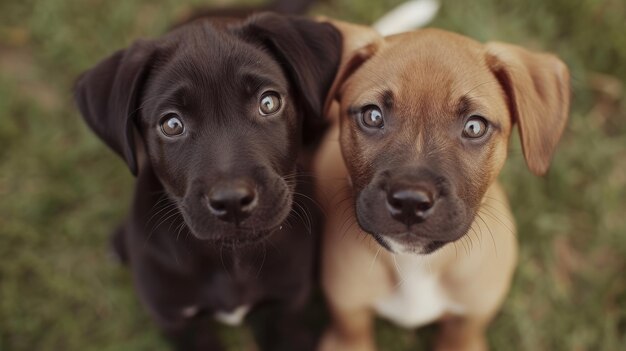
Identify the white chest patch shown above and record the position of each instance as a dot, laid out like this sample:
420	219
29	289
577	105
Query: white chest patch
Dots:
232	318
190	311
419	298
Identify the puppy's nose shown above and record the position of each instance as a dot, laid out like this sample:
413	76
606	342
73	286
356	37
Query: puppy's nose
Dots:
232	202
411	204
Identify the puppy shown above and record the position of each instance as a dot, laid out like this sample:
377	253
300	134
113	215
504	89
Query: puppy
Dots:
420	230
213	118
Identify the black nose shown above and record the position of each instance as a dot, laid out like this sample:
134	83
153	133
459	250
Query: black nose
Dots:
232	202
411	204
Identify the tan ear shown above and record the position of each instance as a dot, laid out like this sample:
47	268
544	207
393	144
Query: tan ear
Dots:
359	44
538	90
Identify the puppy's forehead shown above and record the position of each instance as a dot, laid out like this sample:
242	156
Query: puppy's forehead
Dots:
428	72
215	56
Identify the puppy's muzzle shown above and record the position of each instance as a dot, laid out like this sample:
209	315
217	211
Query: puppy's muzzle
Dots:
411	203
232	201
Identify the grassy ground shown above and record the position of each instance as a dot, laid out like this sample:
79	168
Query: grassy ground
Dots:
62	191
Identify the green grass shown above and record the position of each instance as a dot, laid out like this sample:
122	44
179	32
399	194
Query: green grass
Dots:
62	191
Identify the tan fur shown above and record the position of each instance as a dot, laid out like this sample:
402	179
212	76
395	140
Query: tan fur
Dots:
512	85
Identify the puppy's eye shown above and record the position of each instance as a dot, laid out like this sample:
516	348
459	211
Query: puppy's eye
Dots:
372	117
475	127
171	125
270	103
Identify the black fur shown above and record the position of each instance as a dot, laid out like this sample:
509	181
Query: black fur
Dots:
211	74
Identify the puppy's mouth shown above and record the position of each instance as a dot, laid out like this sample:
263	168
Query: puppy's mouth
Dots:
417	243
398	221
244	237
205	226
409	243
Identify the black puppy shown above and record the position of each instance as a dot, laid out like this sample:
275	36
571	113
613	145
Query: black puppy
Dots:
212	118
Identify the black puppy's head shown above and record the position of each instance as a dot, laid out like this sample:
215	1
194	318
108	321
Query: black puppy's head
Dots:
221	111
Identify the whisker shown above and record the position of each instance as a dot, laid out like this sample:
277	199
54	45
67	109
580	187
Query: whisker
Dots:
180	229
269	241
343	235
497	219
476	234
258	273
164	218
495	211
400	275
344	189
345	221
173	214
462	241
374	260
145	243
471	242
168	207
496	200
312	200
161	198
303	217
490	233
222	260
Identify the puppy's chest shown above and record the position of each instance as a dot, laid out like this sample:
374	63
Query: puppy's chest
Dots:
237	284
419	297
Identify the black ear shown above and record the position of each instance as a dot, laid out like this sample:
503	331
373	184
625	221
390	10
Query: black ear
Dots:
310	53
108	97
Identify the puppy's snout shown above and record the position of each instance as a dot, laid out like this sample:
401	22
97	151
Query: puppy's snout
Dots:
233	201
411	204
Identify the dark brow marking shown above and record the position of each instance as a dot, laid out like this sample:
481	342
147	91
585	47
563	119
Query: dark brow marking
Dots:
255	82
174	97
464	106
384	100
353	110
387	97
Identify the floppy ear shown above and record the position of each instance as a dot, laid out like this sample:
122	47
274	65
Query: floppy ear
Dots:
108	97
538	92
309	52
360	43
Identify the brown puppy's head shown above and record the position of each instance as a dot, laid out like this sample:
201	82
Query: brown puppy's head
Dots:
425	121
222	111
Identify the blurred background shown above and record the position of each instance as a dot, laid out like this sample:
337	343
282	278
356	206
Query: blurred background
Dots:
62	191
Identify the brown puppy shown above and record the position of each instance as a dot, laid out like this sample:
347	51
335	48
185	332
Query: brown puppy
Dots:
422	120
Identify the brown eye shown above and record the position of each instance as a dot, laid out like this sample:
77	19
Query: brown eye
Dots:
372	117
475	127
171	125
269	104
